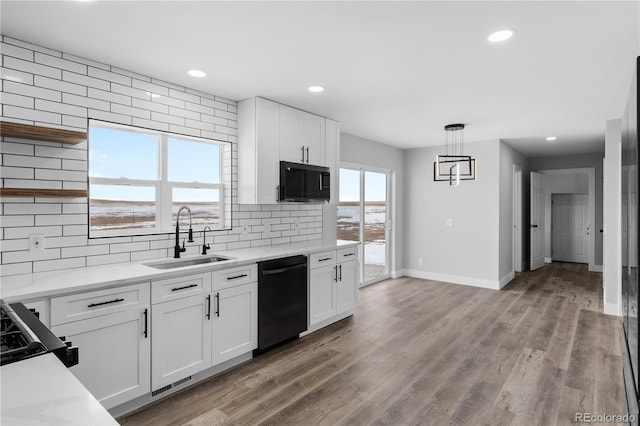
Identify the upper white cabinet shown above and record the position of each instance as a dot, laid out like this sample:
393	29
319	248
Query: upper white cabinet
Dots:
258	151
332	155
269	133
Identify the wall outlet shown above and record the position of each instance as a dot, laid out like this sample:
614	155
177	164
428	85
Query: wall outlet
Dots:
296	226
267	227
245	230
448	222
420	261
36	243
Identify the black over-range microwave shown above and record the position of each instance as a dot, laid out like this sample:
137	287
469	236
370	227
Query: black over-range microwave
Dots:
304	182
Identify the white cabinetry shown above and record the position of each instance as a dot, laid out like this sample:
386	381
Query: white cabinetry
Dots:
111	330
258	151
181	327
333	281
332	154
269	133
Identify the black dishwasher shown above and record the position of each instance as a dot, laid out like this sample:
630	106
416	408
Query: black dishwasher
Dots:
282	300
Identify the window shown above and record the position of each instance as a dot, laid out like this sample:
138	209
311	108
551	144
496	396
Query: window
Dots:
138	179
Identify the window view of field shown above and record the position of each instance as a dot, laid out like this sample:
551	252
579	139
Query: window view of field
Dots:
116	214
375	214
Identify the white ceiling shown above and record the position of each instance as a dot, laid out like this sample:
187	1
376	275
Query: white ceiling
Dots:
394	72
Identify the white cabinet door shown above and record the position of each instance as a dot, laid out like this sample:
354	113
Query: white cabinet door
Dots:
292	144
258	151
114	354
322	300
331	151
346	287
234	319
181	344
313	133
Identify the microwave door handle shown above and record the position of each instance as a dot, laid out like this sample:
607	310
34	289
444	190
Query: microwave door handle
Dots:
320	179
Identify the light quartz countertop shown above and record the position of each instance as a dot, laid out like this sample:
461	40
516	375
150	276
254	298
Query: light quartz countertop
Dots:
42	391
52	283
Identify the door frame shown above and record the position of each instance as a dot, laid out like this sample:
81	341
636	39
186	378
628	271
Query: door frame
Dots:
591	172
389	228
516	244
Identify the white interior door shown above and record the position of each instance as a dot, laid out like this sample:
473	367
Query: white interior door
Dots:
537	221
569	228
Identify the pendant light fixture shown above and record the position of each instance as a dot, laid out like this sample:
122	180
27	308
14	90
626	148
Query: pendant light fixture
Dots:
453	166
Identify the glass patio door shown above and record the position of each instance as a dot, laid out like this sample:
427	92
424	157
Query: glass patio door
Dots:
363	216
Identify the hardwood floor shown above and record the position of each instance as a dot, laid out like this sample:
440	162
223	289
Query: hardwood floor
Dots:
424	352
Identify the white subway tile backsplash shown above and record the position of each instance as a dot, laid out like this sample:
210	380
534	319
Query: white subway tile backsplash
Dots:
31	67
63	64
64	97
108	259
16	52
84	80
109	76
31	114
59	264
7	74
109	96
34	47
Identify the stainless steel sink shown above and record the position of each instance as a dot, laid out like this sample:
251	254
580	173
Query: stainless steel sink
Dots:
187	262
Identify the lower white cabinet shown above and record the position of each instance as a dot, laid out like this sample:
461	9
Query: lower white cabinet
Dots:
333	284
114	354
322	288
181	344
346	286
234	320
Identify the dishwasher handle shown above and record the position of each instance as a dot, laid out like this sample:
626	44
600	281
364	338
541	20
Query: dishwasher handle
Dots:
281	270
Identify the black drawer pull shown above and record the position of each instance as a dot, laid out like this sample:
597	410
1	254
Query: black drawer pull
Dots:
105	303
185	287
218	304
348	254
237	276
325	259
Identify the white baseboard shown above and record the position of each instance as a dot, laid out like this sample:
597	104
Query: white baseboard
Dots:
455	279
507	278
595	268
397	274
611	309
547	260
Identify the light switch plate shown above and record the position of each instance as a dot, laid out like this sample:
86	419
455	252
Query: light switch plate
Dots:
448	222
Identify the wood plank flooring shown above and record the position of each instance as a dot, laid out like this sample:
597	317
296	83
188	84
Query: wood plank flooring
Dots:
420	352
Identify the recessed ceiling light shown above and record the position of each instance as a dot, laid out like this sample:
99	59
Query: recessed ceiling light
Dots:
501	35
196	73
316	89
551	138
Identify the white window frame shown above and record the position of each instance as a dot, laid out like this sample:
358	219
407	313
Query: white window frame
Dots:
163	186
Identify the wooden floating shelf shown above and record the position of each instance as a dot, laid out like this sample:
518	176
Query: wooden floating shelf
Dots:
40	133
44	193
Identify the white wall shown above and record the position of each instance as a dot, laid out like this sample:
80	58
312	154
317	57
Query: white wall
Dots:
468	252
509	157
357	150
612	203
51	88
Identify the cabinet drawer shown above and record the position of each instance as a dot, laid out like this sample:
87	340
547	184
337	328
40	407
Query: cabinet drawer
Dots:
347	254
234	276
317	260
92	304
179	287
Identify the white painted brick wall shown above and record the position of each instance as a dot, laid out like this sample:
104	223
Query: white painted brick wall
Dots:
46	87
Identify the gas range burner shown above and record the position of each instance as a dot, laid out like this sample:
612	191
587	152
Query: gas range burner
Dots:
23	336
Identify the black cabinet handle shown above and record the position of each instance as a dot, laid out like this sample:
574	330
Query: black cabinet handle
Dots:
336	269
340	266
324	260
208	307
534	226
218	304
105	303
307	155
302	148
185	287
237	276
146	323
